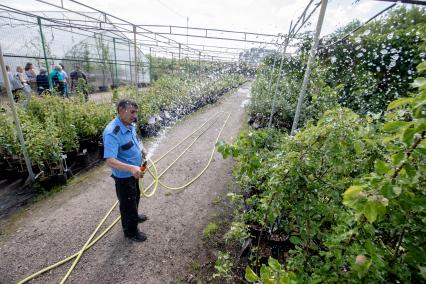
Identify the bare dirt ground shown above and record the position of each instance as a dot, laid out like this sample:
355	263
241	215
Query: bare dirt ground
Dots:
59	225
104	97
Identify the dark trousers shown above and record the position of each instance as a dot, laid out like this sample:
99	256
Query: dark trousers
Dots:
128	194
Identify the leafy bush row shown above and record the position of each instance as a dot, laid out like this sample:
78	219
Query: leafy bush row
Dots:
180	95
348	193
53	126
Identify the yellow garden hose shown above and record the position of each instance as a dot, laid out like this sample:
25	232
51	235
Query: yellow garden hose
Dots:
156	181
89	243
157	177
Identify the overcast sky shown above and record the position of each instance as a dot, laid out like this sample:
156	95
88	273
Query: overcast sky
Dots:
265	16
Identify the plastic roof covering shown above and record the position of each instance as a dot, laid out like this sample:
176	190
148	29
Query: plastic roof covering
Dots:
21	38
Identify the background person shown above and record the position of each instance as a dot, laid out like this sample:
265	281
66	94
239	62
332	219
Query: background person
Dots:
42	81
75	75
31	75
58	79
66	90
22	77
15	83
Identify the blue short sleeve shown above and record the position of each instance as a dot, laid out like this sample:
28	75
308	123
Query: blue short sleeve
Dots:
111	145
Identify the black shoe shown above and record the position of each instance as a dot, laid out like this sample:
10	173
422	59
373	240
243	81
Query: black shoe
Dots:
142	218
139	237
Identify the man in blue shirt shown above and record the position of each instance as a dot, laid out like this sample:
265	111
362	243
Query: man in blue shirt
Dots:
123	151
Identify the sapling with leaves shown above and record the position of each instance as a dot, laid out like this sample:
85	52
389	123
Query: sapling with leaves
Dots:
392	198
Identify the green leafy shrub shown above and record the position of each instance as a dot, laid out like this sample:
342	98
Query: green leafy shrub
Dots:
347	192
320	96
376	64
53	126
389	203
273	273
223	266
364	72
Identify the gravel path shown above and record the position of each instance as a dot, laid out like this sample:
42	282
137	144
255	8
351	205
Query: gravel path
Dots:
59	225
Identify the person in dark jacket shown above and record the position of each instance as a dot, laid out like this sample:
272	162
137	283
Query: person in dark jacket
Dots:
75	75
42	81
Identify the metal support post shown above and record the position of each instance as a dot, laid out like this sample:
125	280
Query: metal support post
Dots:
130	62
199	63
150	66
15	117
136	57
270	86
115	60
172	63
45	55
308	66
271	117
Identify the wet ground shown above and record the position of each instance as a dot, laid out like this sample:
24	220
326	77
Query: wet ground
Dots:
58	226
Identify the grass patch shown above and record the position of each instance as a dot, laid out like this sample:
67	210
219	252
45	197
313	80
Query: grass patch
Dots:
216	200
210	230
195	267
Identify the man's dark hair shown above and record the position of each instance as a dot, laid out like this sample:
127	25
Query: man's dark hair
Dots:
28	66
124	104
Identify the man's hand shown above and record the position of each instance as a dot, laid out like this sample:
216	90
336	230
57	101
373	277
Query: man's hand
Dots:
136	172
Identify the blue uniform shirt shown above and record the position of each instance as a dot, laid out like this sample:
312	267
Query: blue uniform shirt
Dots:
122	143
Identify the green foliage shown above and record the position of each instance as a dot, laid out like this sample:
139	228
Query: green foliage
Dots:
53	126
376	64
268	83
160	67
237	232
82	87
364	72
273	273
8	139
42	139
223	266
115	98
392	197
348	192
295	184
179	94
320	96
210	230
